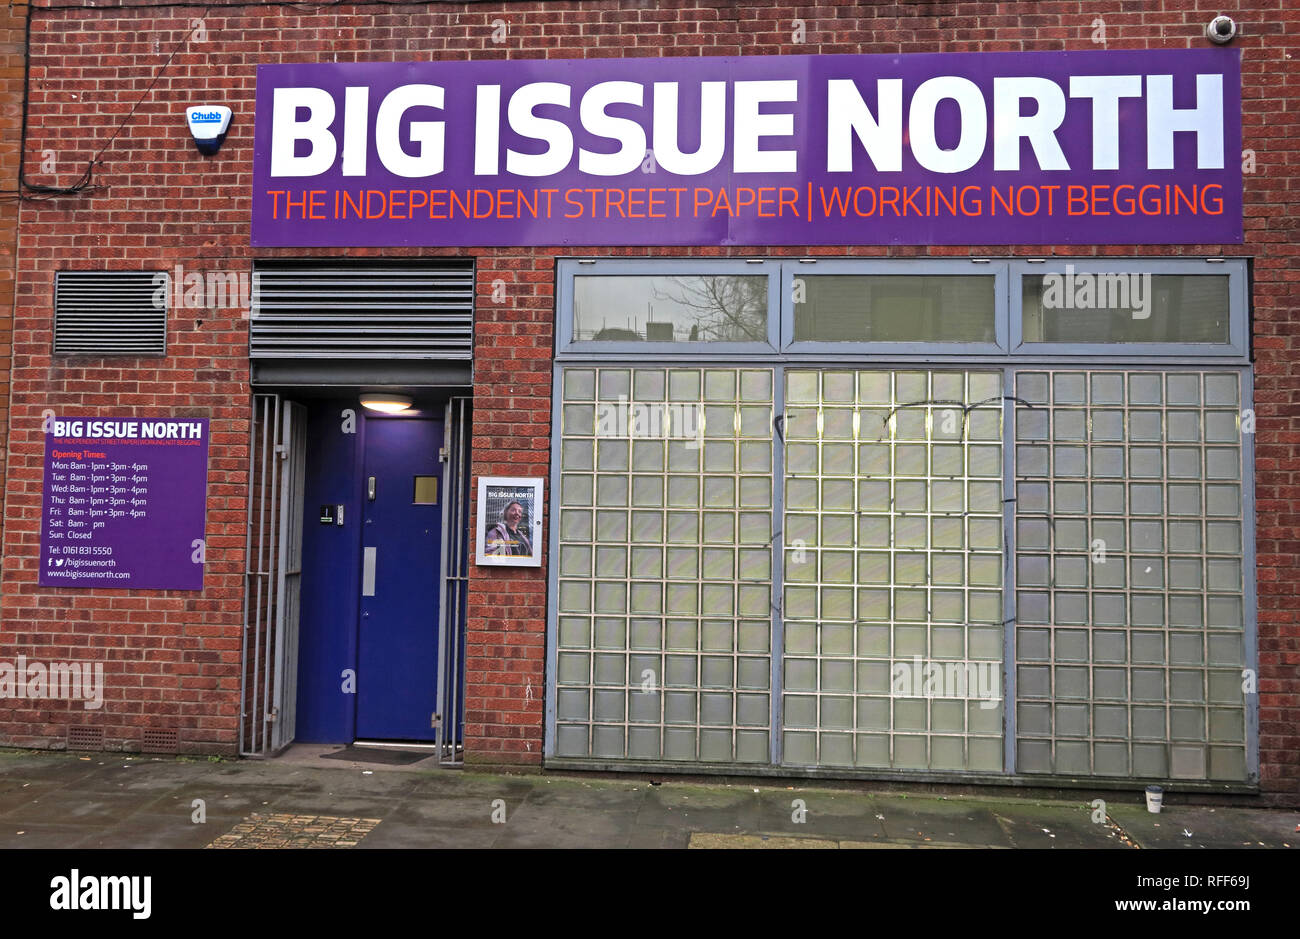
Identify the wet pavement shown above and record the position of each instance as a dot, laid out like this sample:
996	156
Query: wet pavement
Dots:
302	799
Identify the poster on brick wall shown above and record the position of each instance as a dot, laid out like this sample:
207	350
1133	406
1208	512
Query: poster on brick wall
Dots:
125	501
979	148
509	528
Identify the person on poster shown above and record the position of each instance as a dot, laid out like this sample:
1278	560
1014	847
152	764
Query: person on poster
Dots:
506	538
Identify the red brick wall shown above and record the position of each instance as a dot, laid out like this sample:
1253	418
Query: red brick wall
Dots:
505	660
161	204
13	19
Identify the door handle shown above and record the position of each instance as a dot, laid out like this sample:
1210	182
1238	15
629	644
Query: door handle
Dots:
370	488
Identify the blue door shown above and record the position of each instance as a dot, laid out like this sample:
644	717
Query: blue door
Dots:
401	538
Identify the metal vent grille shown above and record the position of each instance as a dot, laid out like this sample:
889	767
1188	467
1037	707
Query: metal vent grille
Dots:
158	740
345	310
85	738
110	313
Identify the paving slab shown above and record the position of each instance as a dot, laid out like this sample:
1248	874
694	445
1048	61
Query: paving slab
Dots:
460	784
342	780
946	821
782	842
564	828
1198	826
159	831
1055	825
596	797
467	813
698	808
823	813
52	766
389	834
65	806
108	801
18	793
225	801
644	837
146	777
35	835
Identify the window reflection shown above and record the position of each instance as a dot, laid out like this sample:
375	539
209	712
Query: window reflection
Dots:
712	308
894	308
1077	306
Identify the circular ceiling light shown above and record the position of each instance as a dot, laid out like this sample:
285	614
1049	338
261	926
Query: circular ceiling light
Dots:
388	404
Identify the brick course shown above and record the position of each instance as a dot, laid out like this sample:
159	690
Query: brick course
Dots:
173	658
13	19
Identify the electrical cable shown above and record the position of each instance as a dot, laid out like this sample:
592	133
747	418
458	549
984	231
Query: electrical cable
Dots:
85	181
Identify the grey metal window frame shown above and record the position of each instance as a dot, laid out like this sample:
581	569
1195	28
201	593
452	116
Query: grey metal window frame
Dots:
1009	345
568	269
1237	346
921	267
1013	357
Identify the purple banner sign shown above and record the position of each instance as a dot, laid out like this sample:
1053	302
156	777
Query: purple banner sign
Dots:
1124	147
125	502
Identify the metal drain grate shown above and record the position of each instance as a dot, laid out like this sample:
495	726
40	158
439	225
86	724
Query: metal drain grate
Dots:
284	830
85	738
159	740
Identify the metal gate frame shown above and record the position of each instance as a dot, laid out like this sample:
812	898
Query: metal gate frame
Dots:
454	585
268	685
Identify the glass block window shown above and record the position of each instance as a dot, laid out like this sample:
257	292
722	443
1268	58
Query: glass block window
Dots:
665	564
893	559
1130	612
993	539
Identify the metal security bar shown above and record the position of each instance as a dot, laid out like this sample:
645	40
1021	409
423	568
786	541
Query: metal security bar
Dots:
456	524
288	581
363	311
259	552
272	552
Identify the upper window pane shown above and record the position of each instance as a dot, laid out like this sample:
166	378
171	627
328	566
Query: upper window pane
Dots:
1086	307
894	308
687	308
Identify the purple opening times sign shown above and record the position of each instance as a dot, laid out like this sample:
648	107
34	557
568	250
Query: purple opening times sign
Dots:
125	503
1123	147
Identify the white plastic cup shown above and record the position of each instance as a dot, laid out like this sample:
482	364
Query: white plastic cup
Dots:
1155	796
